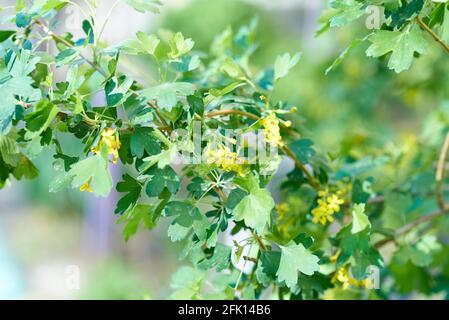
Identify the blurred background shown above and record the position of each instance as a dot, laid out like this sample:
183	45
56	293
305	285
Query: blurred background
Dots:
361	107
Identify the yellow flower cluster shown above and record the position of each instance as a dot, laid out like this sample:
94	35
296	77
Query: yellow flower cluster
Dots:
328	204
272	130
225	159
110	138
343	277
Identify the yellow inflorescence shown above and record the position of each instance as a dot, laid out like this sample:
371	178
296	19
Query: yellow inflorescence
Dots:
328	205
225	159
272	130
110	138
343	277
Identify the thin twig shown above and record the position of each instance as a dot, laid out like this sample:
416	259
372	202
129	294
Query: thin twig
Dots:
229	112
260	242
410	226
433	34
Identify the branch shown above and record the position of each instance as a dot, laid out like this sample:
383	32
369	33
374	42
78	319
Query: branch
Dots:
433	34
229	112
410	226
313	182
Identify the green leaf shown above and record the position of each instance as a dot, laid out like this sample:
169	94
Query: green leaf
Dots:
23	19
66	56
220	259
360	220
133	188
355	43
143	140
269	265
179	46
362	166
234	198
144	6
148	43
144	44
232	69
295	258
162	159
356	247
345	11
9	151
283	65
187	218
89	31
402	46
117	90
160	179
414	255
196	104
94	169
303	149
39	120
404	12
445	25
167	94
134	218
6	34
255	209
188	283
21	87
25	169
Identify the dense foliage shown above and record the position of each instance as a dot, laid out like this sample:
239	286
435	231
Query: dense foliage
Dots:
347	223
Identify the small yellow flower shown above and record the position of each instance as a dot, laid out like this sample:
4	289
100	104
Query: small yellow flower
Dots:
283	208
327	206
343	277
323	193
335	256
366	283
272	131
334	203
265	99
86	186
225	159
111	139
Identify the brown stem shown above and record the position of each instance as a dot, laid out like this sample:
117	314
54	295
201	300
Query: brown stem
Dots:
262	245
433	34
229	112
